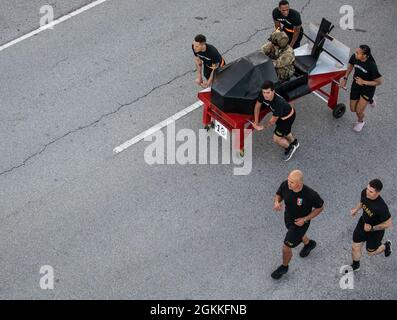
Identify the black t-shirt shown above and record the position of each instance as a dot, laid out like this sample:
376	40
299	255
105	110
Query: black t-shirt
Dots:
278	105
292	20
299	204
210	56
374	211
367	70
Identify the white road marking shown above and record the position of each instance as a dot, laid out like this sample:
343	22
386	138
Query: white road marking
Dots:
157	127
53	23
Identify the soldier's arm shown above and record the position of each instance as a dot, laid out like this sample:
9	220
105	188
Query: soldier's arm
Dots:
343	81
211	79
383	226
313	214
199	65
356	209
297	30
349	70
257	111
272	121
374	83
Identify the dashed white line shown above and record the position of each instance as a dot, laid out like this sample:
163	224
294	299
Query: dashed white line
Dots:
157	127
52	24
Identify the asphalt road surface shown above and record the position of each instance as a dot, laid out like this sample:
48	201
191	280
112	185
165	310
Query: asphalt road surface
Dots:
113	226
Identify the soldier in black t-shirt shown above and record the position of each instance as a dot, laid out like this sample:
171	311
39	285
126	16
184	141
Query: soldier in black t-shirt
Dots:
283	117
366	78
371	227
302	204
289	21
208	59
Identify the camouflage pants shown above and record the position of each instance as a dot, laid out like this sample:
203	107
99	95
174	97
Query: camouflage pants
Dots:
285	73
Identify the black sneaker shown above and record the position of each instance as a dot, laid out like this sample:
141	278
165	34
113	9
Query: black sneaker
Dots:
279	272
355	265
295	143
290	151
286	151
307	248
388	250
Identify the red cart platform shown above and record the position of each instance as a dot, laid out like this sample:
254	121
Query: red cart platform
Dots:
328	68
212	114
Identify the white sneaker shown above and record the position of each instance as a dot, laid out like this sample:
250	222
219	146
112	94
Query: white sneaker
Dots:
358	126
374	103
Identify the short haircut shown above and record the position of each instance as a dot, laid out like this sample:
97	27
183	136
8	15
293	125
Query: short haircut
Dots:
200	38
376	184
366	49
283	3
268	85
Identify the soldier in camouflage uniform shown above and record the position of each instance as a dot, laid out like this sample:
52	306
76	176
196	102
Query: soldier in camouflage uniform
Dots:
282	54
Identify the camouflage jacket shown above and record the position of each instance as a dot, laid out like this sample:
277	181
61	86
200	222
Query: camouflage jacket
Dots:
282	57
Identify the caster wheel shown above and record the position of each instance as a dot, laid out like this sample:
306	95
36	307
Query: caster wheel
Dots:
339	110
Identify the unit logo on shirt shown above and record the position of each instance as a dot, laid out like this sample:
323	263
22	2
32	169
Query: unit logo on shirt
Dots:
361	68
299	201
367	211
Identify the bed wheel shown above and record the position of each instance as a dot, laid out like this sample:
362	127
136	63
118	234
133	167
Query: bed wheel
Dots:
339	110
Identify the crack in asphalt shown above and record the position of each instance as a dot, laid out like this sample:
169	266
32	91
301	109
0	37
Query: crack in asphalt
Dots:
248	39
121	106
59	62
91	124
305	6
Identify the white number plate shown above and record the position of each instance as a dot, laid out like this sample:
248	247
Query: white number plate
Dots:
220	129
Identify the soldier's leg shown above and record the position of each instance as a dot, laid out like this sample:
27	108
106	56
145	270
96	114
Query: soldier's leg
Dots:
290	138
360	109
354	98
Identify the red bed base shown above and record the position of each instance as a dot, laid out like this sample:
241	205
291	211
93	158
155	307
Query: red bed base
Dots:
233	121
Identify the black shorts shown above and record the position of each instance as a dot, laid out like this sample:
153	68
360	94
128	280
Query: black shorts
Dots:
366	92
373	239
283	127
294	234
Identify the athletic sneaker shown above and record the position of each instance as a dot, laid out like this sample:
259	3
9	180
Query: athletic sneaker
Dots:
374	102
295	143
358	126
388	250
290	151
307	248
279	272
355	265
